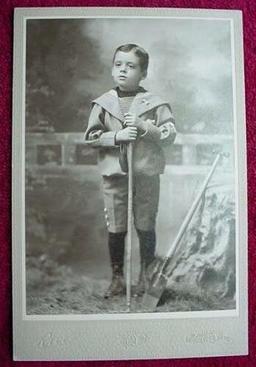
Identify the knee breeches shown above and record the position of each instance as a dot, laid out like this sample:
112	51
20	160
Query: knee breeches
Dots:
145	202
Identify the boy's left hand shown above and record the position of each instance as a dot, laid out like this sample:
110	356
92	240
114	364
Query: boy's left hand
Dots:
130	119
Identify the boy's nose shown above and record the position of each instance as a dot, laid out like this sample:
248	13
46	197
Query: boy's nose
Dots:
123	68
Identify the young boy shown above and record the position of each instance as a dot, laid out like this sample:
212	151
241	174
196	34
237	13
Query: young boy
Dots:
129	113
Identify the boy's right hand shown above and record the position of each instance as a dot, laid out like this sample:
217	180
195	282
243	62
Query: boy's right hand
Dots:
126	135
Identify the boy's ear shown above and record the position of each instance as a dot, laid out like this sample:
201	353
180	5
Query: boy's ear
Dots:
144	75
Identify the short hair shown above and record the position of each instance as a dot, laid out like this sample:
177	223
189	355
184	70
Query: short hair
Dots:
139	52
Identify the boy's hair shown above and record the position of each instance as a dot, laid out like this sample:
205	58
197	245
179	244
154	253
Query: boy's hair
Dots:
139	52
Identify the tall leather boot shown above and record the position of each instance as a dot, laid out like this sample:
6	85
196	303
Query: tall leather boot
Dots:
116	251
147	241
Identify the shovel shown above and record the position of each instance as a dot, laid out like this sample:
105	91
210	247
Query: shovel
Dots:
159	281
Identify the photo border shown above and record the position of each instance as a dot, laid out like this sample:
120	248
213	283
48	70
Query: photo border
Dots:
127	336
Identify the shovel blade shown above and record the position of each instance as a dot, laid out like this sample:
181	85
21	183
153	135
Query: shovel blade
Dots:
153	294
149	302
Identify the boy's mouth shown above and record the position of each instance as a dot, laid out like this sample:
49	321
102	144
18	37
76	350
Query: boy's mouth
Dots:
122	77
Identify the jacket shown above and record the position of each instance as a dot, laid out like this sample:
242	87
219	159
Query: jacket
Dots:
106	120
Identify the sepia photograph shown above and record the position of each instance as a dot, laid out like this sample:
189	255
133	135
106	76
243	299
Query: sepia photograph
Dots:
95	88
130	170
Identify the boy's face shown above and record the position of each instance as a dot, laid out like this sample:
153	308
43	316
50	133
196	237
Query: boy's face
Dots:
126	71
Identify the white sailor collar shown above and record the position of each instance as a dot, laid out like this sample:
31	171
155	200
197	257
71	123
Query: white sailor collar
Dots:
142	103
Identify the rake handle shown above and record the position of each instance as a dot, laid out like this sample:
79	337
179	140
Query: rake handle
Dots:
129	225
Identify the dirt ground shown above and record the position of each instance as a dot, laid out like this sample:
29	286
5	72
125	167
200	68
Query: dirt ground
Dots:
57	289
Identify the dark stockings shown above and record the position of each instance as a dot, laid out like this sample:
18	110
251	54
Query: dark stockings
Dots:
147	245
116	243
116	251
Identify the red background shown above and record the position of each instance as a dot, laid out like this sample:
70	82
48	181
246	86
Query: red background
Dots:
6	46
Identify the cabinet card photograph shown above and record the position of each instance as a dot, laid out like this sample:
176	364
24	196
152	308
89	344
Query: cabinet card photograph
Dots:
129	184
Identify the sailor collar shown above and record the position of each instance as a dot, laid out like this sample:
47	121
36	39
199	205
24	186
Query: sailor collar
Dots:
142	103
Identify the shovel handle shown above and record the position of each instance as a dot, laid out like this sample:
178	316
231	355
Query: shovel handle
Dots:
160	280
187	219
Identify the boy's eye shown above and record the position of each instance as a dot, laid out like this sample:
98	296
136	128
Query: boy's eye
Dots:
118	64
